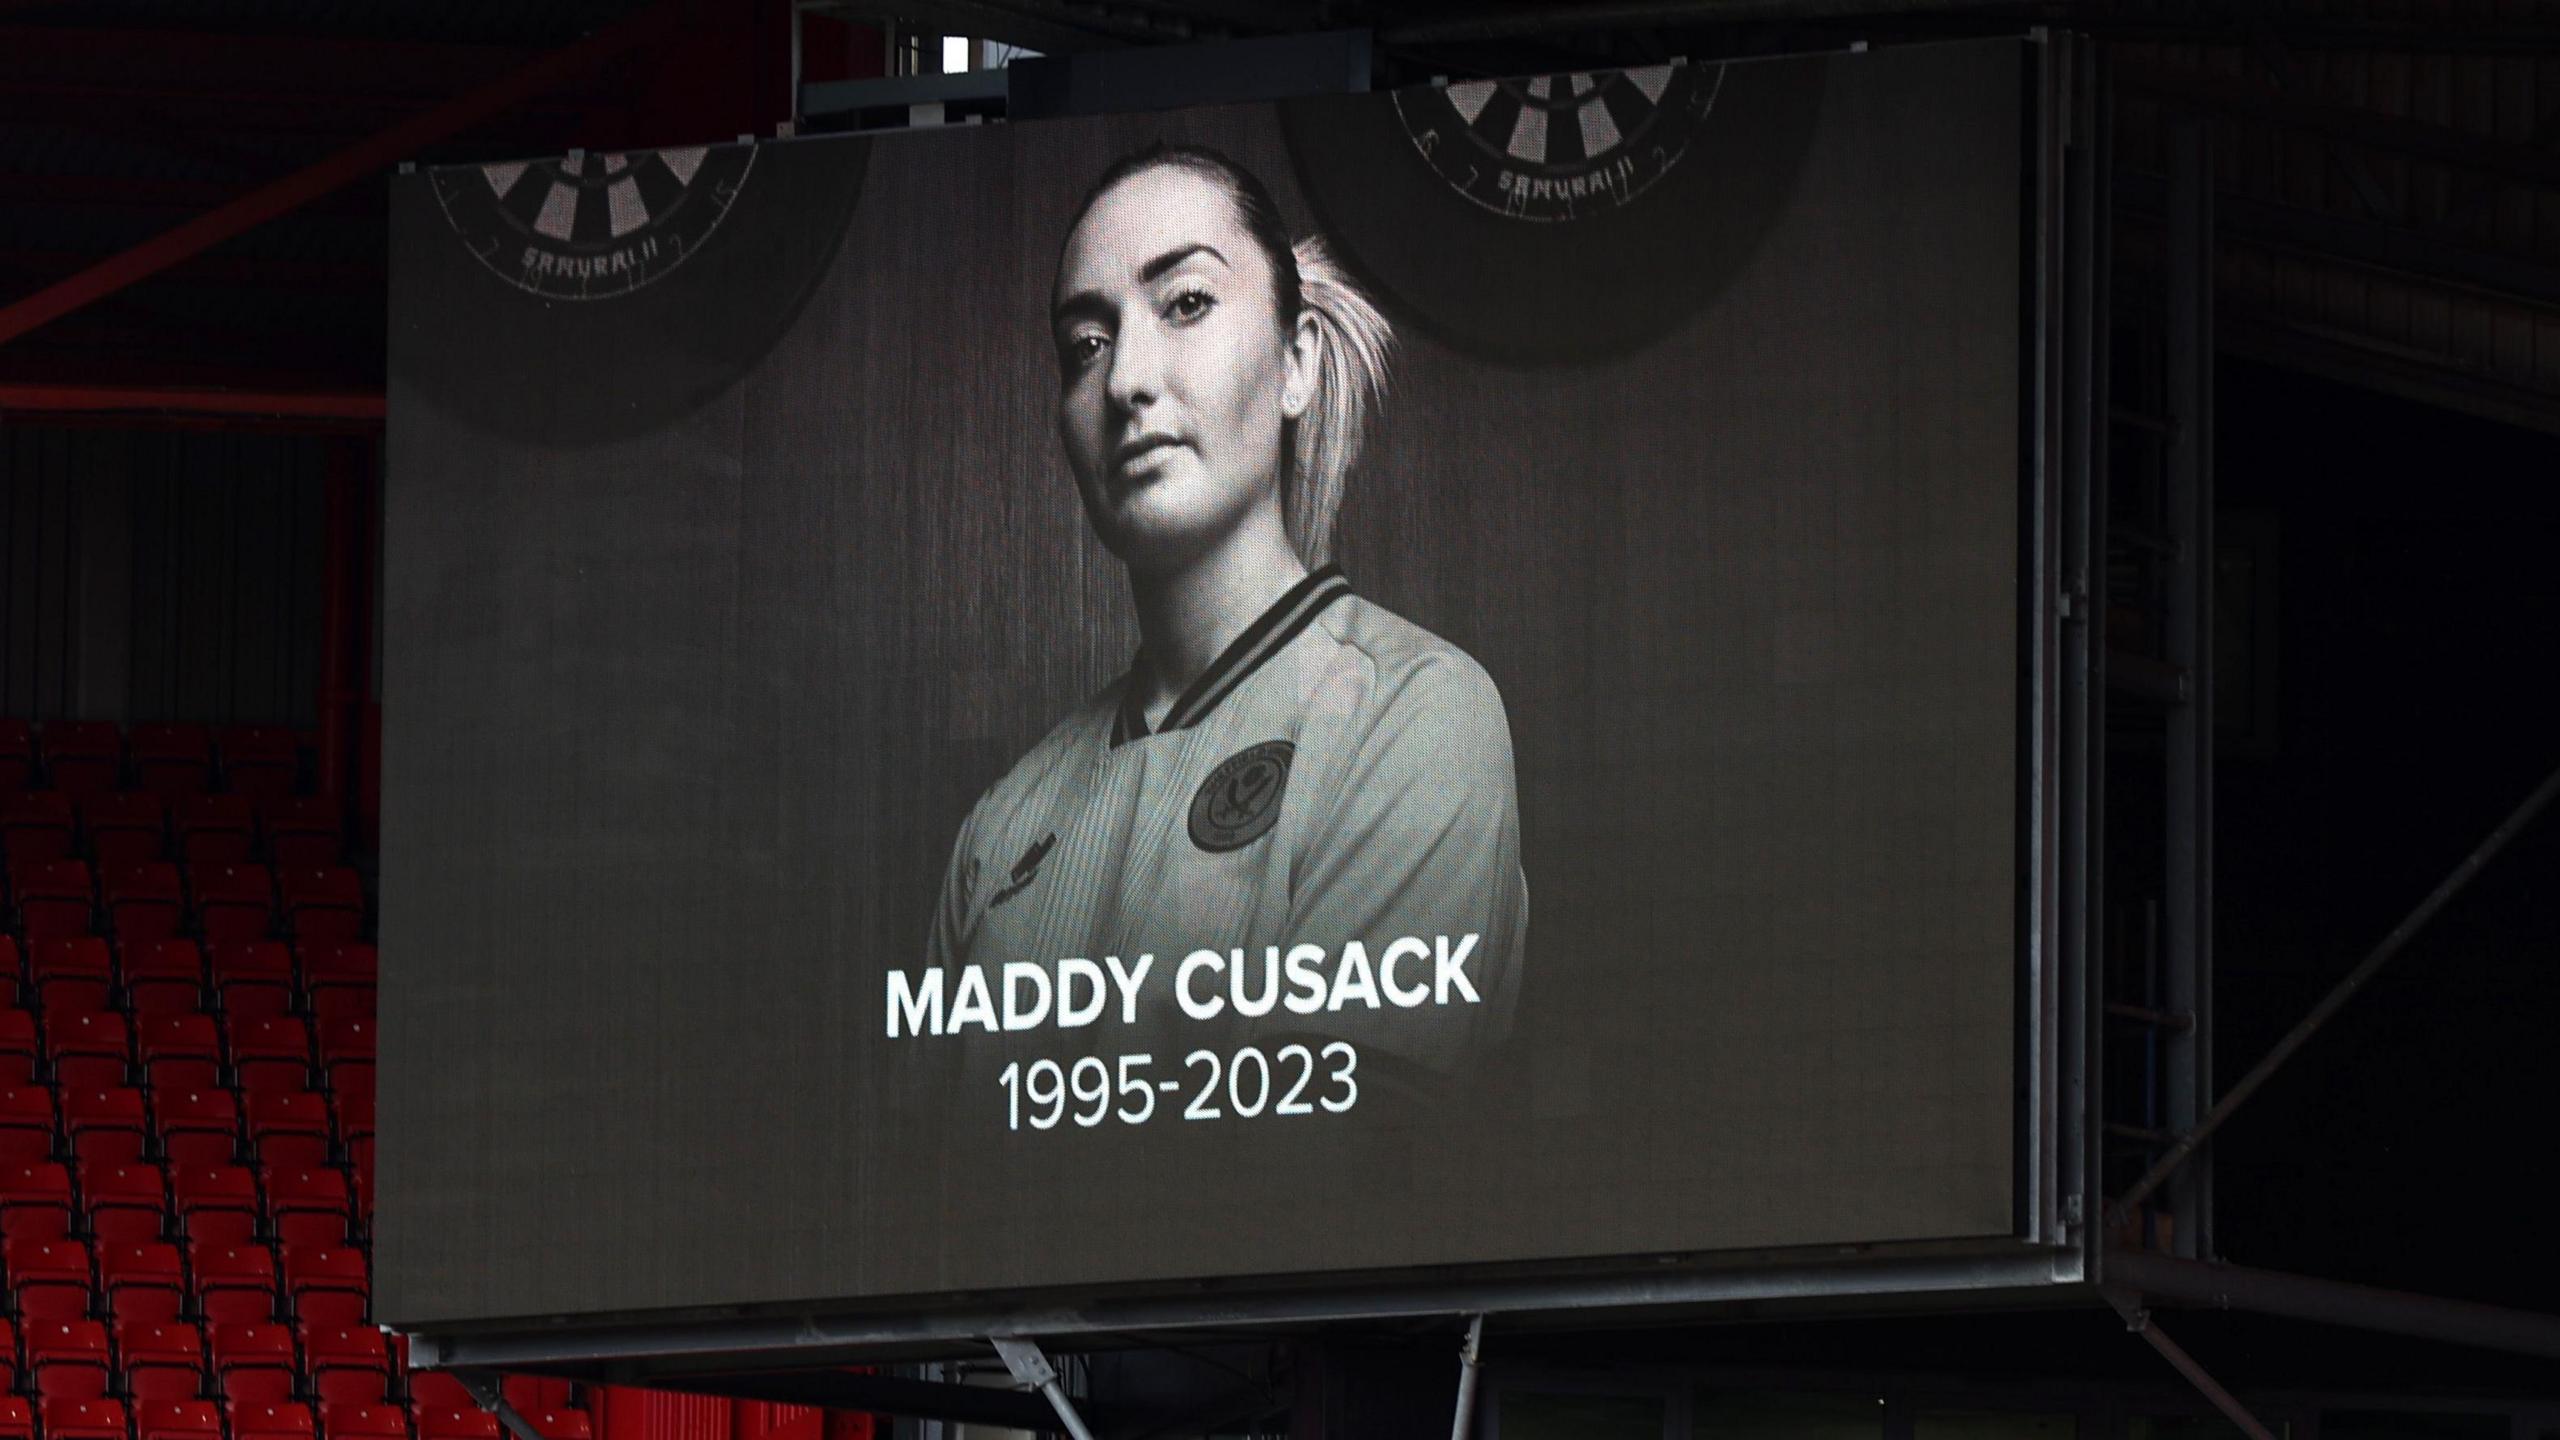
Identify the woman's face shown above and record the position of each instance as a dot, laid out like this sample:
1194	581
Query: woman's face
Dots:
1175	372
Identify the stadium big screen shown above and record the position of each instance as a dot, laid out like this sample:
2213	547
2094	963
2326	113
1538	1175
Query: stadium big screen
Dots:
1386	681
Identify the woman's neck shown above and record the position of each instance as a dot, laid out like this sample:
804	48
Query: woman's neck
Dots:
1188	617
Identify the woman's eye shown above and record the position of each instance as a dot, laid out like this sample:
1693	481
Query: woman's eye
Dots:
1189	304
1082	348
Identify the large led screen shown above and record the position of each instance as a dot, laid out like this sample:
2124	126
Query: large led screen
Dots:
1390	681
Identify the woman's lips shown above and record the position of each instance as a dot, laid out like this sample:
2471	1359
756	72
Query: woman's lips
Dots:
1142	454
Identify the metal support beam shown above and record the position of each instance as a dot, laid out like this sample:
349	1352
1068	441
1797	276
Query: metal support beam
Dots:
2187	635
488	1390
1464	1420
2138	1320
353	163
2371	965
1032	1368
2330	1302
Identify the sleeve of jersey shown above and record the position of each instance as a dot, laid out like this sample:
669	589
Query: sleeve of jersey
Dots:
1422	839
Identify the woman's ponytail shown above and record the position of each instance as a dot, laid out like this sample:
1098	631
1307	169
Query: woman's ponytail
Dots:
1354	344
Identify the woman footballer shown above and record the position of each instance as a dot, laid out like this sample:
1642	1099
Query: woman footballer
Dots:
1287	776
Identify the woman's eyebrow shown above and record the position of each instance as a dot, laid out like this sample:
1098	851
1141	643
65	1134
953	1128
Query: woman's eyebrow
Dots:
1148	273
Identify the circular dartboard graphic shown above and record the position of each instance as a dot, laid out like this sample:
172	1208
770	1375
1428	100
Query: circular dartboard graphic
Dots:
592	226
1558	219
600	295
1557	147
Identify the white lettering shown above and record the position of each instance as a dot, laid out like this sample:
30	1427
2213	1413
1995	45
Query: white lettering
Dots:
1255	1007
1070	1013
1016	1015
971	1004
1306	981
1450	971
1352	980
921	1010
1127	982
1192	964
1387	958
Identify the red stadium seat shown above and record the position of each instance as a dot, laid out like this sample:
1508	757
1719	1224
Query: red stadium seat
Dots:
467	1423
105	1127
163	977
68	1358
339	979
82	1418
271	1422
232	902
171	759
144	902
559	1424
347	1363
125	829
13	969
288	1128
253	1363
252	978
323	904
260	759
27	1124
179	1050
346	1053
35	1202
82	757
270	1054
54	897
161	1360
302	830
307	1205
327	1284
37	827
9	1356
363	1422
17	1420
128	1203
49	1279
431	1389
360	1183
72	972
88	1050
214	829
177	1420
142	1282
20	1051
17	756
532	1393
353	1112
197	1127
217	1207
235	1284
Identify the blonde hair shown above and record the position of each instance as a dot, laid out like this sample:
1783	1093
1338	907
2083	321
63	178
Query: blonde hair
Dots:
1355	346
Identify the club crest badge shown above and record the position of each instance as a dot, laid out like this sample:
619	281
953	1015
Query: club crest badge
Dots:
1560	147
1240	801
593	226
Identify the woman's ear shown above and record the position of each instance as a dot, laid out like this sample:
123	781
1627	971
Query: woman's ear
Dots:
1300	364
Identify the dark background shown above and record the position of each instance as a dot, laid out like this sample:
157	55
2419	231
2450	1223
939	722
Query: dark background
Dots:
685	722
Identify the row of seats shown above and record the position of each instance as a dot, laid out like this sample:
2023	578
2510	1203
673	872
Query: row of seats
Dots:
215	1280
141	1200
239	979
253	1361
64	1419
87	757
128	827
92	1050
124	1125
156	900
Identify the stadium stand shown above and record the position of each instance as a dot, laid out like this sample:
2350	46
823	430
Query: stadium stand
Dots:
187	987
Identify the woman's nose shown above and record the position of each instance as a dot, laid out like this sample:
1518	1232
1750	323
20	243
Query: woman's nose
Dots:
1136	365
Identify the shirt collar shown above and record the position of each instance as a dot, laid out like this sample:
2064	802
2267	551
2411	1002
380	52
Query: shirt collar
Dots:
1268	635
